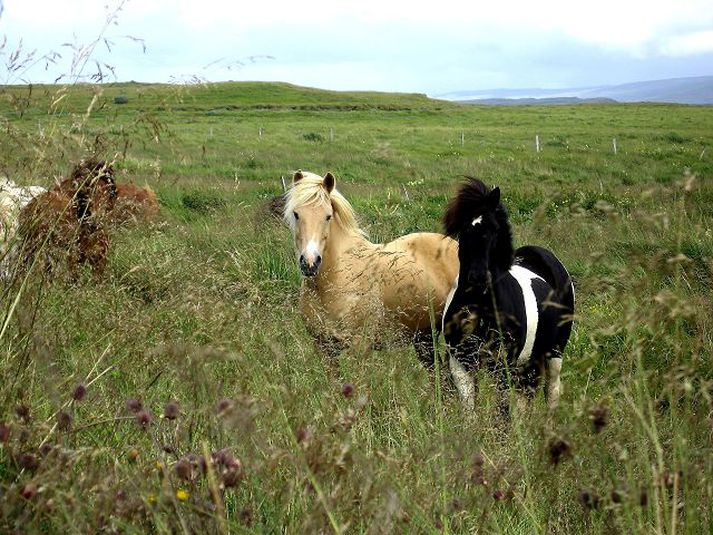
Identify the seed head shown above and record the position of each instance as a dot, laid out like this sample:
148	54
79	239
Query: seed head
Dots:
79	392
224	405
559	449
185	469
617	496
23	411
134	405
64	420
599	415
28	461
132	454
588	499
347	390
143	418
29	491
303	435
171	410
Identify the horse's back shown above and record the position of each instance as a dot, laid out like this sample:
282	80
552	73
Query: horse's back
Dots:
435	254
422	265
545	264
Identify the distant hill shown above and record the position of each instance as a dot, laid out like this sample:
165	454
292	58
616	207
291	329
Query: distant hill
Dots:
553	101
693	90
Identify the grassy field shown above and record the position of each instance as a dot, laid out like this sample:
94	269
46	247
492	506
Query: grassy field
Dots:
182	393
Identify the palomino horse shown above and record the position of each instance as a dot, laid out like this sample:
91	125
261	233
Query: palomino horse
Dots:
68	223
351	285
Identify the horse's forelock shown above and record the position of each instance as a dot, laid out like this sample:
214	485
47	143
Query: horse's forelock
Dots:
310	189
470	199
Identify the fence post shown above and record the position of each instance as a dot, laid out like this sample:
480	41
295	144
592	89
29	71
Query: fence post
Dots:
537	142
613	142
462	139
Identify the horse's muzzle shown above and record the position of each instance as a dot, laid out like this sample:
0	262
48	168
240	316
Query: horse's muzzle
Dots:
310	269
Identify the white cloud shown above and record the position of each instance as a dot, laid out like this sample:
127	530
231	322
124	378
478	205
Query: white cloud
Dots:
690	44
371	43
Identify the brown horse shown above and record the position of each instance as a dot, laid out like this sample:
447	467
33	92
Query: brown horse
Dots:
352	287
67	225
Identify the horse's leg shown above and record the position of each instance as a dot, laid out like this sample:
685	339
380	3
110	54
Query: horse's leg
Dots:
464	379
502	394
330	346
554	385
423	343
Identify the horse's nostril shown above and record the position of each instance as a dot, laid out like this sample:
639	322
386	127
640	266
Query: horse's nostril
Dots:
318	260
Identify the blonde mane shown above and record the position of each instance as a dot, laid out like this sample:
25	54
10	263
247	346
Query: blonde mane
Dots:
310	190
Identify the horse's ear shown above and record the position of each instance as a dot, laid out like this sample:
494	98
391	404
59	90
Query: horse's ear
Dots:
297	176
329	182
494	198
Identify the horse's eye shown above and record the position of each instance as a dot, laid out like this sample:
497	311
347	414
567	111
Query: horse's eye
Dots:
295	214
329	217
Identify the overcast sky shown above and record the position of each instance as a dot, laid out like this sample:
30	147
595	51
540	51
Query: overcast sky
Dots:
428	47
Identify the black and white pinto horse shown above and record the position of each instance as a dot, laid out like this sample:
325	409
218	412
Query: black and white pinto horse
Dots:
509	310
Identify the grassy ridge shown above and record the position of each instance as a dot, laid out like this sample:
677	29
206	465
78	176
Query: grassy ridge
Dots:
200	308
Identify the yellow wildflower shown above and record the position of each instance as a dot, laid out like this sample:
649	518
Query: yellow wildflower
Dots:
182	495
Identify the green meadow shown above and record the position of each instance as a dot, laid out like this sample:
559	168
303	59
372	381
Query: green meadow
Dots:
181	392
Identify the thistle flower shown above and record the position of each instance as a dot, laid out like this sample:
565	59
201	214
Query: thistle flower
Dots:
599	415
347	390
29	491
79	392
171	410
28	461
224	405
143	418
185	469
134	405
589	499
23	411
559	449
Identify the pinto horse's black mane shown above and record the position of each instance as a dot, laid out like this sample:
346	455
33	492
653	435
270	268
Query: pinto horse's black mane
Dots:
475	198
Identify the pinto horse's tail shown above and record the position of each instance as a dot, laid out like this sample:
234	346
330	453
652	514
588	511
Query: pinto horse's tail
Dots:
548	266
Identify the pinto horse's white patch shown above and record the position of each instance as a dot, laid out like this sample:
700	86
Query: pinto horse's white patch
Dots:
524	278
477	221
449	300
